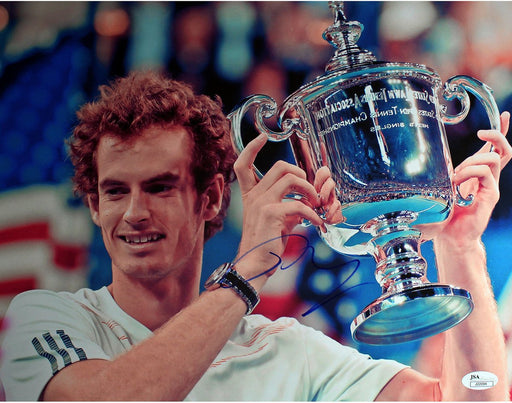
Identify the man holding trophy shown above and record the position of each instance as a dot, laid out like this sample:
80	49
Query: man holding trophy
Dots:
154	162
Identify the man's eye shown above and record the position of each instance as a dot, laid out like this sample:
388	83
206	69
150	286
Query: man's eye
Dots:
115	191
159	188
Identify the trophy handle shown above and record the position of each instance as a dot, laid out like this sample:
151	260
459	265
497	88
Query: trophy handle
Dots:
458	87
266	108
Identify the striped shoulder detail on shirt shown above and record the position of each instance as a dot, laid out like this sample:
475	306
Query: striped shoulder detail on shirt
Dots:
58	349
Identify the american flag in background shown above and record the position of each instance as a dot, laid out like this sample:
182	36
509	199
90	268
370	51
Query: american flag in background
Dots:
44	231
43	241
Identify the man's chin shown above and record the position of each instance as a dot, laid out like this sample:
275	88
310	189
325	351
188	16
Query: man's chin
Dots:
144	271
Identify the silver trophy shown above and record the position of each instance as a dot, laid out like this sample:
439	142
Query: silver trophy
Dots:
379	127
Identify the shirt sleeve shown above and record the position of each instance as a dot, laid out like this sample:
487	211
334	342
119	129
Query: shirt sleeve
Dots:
341	373
45	333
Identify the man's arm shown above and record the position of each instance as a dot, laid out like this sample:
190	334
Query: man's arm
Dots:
475	344
163	367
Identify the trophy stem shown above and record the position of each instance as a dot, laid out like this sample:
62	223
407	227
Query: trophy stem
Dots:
400	265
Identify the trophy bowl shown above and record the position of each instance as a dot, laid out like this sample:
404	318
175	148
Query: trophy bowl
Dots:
379	127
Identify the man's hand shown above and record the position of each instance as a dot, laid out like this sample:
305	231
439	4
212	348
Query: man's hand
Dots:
479	175
270	215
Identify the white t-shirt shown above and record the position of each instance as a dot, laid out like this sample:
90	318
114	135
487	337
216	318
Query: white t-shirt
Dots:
263	360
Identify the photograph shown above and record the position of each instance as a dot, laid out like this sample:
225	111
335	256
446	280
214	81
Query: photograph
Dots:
255	200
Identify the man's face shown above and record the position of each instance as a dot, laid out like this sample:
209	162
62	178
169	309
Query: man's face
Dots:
150	215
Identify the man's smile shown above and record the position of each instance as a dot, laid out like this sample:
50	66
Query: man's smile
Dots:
140	239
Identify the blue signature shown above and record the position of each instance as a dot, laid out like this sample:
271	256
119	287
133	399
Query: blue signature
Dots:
337	292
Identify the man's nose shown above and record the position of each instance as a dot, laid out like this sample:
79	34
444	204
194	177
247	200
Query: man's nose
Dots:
138	209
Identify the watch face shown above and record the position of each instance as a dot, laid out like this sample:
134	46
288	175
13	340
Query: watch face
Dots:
217	276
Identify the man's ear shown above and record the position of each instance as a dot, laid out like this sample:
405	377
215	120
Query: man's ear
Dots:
92	202
213	198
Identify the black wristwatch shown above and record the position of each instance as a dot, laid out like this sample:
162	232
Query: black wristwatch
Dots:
226	276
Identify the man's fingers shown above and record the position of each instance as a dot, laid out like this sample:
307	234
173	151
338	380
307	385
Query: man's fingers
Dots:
292	185
279	170
505	121
244	165
499	142
482	173
322	174
490	160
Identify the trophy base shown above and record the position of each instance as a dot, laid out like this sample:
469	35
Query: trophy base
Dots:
411	314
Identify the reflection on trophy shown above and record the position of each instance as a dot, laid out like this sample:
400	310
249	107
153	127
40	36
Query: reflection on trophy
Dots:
379	127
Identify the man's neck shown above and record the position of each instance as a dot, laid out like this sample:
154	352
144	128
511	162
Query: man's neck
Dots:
153	302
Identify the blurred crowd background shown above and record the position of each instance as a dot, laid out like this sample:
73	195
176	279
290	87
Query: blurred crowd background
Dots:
53	56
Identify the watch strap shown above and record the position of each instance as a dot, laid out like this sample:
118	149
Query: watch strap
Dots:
242	287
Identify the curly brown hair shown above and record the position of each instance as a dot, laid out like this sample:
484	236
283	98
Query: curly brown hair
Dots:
145	98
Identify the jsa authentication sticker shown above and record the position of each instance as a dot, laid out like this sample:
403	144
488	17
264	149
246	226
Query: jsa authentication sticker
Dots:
479	380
